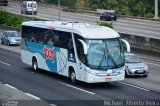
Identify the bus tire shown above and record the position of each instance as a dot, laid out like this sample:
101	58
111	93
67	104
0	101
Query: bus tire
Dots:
72	76
34	64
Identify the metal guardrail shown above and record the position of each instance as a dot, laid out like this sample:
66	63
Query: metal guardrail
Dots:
147	54
142	18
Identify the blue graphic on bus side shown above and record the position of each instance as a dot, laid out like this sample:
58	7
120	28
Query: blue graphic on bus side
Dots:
47	52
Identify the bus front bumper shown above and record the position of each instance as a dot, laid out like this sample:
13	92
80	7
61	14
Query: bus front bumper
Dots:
99	79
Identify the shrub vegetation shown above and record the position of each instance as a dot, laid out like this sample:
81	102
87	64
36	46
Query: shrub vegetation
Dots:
8	19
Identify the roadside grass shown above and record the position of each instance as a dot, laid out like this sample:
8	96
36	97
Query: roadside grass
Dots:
9	19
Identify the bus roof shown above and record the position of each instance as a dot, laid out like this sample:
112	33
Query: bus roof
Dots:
84	29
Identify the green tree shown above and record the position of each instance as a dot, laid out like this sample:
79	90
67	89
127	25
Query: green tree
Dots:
81	5
126	7
111	4
139	8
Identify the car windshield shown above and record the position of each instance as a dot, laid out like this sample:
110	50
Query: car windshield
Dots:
13	34
132	59
30	5
104	54
111	13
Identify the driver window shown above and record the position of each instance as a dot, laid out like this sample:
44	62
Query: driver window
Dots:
80	50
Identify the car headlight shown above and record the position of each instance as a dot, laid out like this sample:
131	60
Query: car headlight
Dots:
130	68
12	40
146	67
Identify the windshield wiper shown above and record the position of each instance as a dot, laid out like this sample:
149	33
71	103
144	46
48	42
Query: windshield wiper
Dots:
103	57
110	57
112	60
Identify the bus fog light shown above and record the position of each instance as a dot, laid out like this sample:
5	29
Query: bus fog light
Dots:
91	79
119	72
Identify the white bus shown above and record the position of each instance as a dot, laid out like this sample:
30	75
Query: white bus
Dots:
88	53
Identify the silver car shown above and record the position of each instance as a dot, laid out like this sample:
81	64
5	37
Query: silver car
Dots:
11	38
135	66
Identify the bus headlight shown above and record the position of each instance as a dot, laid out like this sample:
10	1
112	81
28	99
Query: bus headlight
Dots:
91	79
91	71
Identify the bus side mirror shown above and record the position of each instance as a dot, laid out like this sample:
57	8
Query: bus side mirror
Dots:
127	45
84	46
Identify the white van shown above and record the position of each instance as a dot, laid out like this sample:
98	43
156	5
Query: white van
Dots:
26	7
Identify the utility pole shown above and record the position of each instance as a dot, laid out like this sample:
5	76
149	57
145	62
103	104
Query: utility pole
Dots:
59	6
32	11
1	5
156	10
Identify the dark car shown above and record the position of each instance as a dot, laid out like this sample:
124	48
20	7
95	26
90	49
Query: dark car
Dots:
108	16
3	2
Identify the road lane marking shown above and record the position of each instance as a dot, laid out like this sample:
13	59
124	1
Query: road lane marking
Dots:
4	63
53	105
152	64
77	88
134	86
11	86
35	97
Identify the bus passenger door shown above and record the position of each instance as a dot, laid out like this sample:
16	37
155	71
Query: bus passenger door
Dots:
81	61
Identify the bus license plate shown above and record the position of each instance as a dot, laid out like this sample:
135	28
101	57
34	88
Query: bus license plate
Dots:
108	79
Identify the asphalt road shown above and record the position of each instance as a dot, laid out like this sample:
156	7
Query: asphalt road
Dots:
129	26
58	90
152	82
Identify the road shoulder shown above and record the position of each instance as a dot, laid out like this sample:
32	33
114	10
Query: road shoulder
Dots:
10	96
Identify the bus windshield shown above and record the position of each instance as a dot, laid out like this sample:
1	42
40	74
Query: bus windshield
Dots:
105	54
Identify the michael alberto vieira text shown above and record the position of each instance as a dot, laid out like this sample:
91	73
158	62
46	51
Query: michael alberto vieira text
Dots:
132	102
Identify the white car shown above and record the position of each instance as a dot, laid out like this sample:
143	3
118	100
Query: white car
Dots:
135	66
11	38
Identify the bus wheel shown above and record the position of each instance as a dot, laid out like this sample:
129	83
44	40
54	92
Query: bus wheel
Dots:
34	64
73	77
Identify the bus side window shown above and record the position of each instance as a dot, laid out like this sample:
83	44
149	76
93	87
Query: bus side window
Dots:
40	35
49	37
79	46
56	39
70	47
81	54
25	32
33	34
